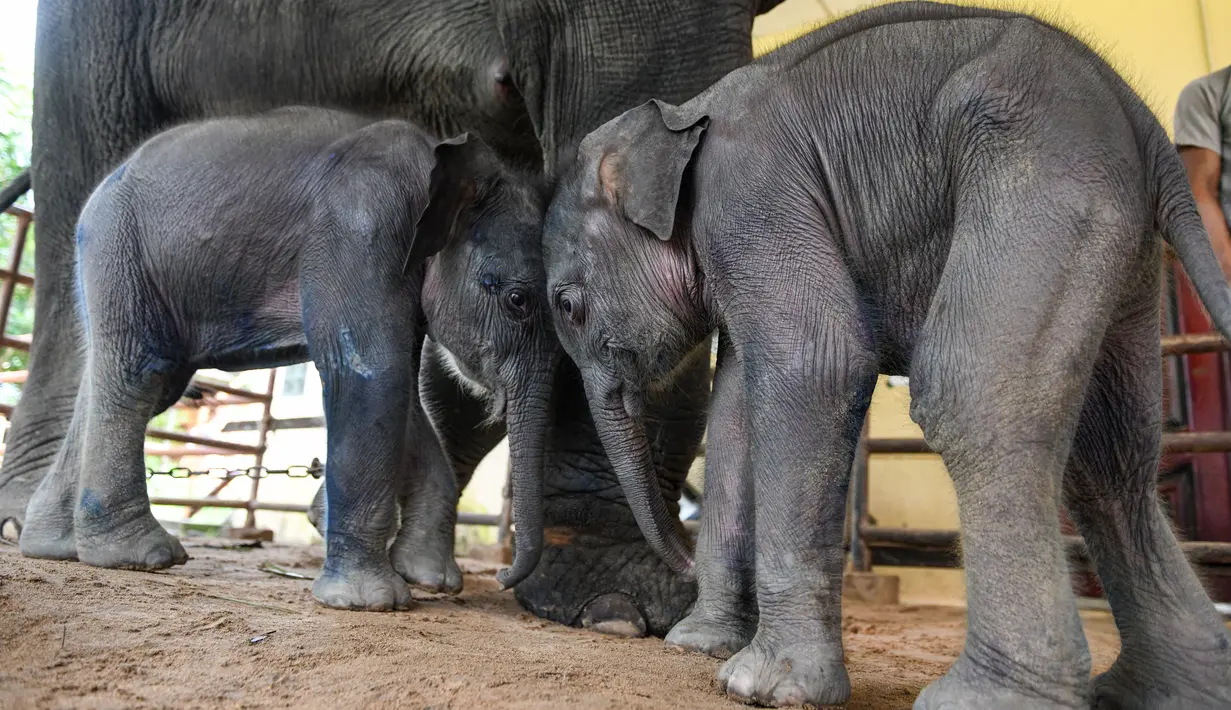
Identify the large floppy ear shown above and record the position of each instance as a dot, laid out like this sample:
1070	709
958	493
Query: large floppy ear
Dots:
451	188
642	169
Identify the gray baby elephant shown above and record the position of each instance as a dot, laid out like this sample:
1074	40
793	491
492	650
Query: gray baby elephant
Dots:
302	233
968	197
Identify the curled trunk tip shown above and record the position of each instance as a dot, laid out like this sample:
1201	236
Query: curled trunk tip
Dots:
528	418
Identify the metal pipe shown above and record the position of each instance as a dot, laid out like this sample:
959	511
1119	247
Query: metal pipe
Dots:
176	452
462	518
262	433
221	503
23	279
1195	442
477	519
234	391
1194	343
19	246
1198	552
16	342
201	441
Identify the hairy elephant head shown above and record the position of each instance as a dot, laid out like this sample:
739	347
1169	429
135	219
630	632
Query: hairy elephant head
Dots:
485	304
579	63
625	290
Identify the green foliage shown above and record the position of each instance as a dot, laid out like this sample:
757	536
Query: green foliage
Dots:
16	104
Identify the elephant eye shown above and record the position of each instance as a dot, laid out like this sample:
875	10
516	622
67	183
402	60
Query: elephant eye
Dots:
570	302
517	302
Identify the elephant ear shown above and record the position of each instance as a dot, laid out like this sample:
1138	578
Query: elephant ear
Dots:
451	188
641	170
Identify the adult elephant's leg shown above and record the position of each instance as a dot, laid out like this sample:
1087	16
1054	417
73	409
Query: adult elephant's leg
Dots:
47	531
597	569
1175	649
88	115
434	476
41	418
725	616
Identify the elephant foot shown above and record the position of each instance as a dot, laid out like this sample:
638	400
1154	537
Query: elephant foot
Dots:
429	570
48	532
362	590
48	544
701	633
1164	684
614	614
10	528
796	674
15	495
959	690
139	544
597	581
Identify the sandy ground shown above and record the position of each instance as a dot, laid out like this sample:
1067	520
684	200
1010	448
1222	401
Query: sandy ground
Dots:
73	636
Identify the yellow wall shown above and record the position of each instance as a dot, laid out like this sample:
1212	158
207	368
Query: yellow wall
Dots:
1159	46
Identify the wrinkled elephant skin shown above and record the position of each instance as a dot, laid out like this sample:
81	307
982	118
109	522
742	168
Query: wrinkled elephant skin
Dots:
969	197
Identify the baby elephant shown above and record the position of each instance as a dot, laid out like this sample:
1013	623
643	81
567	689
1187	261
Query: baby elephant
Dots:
302	233
968	197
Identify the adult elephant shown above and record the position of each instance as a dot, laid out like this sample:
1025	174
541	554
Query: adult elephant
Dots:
531	77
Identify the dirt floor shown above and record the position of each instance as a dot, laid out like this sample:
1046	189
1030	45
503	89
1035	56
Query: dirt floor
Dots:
219	632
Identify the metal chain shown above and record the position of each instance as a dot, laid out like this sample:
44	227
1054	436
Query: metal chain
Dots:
315	469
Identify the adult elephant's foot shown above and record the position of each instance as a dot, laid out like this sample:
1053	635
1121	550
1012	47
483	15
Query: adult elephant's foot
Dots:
614	614
426	563
48	541
48	529
15	494
961	689
1164	683
703	632
362	589
24	467
606	584
770	674
138	543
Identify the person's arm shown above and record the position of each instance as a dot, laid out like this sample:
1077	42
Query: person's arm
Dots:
1204	168
1198	136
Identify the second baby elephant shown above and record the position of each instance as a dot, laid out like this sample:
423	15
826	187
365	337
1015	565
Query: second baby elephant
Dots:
302	233
969	197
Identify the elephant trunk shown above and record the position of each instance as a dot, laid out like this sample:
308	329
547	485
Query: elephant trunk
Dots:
628	448
528	415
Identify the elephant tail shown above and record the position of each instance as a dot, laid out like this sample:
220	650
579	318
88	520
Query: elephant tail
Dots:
14	190
1181	226
1175	210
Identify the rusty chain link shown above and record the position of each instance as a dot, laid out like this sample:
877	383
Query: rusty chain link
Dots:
315	469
